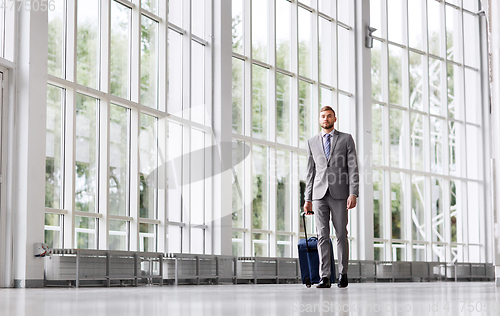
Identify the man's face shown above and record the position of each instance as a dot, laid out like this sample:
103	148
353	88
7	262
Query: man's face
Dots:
326	119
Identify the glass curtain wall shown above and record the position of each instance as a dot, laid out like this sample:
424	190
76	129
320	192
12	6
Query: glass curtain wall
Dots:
116	69
289	59
427	131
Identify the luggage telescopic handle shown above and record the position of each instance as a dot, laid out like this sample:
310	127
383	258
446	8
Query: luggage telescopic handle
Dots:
305	228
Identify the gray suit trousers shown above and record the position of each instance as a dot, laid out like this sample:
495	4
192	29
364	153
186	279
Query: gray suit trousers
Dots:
325	209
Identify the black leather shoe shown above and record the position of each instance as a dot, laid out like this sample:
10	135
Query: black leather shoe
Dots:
342	280
324	283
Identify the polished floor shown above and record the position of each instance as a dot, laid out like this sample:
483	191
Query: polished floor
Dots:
435	298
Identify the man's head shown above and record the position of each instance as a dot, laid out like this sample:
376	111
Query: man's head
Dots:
327	118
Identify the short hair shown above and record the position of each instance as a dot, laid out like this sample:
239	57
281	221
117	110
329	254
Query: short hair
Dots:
327	108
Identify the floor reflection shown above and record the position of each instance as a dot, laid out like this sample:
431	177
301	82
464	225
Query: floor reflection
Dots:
437	298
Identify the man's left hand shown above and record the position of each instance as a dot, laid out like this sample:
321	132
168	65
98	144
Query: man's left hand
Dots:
351	201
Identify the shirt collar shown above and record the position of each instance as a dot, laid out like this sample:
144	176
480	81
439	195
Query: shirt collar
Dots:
331	133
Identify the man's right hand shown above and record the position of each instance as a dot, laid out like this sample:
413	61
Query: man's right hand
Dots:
308	208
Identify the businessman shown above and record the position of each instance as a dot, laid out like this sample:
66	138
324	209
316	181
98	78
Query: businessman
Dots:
332	186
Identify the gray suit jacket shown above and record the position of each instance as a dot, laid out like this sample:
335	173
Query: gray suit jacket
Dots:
339	173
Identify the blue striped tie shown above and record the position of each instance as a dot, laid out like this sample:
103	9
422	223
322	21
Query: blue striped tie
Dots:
327	145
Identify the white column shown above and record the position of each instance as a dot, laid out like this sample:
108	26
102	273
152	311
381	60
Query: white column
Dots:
222	104
30	114
363	140
494	12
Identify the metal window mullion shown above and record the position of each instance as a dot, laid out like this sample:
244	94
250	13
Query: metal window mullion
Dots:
209	181
416	51
262	64
240	57
386	210
407	218
70	128
262	231
186	191
428	217
446	189
471	68
103	172
444	65
161	182
117	233
135	96
150	15
426	156
465	221
347	94
354	119
105	45
314	20
186	61
387	215
445	147
437	57
453	63
284	233
326	17
199	40
162	128
271	109
272	200
247	206
120	218
172	223
397	44
463	231
333	64
294	88
248	172
412	111
385	61
186	100
271	127
295	197
175	28
163	56
134	179
447	219
406	212
331	88
135	56
103	124
86	231
49	210
305	6
305	79
453	5
126	3
149	221
88	214
53	228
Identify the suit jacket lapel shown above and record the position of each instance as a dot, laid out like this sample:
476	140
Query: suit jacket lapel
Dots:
334	142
